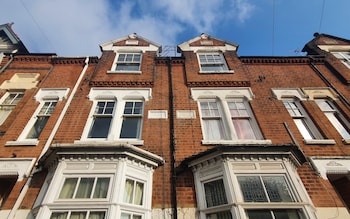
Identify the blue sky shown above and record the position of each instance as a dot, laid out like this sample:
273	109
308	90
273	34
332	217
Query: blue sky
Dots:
259	27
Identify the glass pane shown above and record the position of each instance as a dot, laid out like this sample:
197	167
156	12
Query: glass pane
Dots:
324	105
138	193
243	129
338	125
131	127
277	189
137	57
209	109
303	129
259	214
215	193
286	214
213	129
85	188
121	57
101	188
252	189
97	215
128	67
129	190
59	215
220	215
292	108
213	67
68	188
78	215
100	127
109	107
37	127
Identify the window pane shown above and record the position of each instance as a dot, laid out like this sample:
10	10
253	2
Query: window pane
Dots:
68	188
259	214
85	188
243	129
220	215
97	215
209	109
131	127
100	127
138	193
101	188
78	215
59	215
338	125
303	129
129	191
252	189
37	127
286	214
213	129
277	189
215	193
128	67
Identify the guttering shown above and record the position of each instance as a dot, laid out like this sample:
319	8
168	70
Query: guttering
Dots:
48	142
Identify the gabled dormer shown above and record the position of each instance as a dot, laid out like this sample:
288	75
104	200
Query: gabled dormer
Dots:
335	49
129	52
210	52
9	41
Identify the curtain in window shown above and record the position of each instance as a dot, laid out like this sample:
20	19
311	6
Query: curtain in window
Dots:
215	193
37	127
213	129
138	193
85	188
77	215
68	188
243	129
59	215
101	188
128	191
97	215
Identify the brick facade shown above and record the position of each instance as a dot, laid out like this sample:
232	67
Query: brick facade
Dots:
173	151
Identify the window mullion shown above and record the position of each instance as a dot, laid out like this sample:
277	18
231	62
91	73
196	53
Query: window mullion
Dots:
93	188
76	188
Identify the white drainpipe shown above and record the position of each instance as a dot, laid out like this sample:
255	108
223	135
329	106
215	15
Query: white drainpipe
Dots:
48	142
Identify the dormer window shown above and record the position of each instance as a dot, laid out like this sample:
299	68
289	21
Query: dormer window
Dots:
127	63
213	62
344	57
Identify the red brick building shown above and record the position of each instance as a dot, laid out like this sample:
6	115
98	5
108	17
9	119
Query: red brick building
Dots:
208	134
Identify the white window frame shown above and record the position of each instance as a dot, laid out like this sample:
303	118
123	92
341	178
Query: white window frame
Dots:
303	122
297	95
210	60
343	56
335	118
7	108
88	212
120	96
229	168
125	62
44	95
223	96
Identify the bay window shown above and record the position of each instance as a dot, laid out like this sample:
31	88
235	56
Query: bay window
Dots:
229	185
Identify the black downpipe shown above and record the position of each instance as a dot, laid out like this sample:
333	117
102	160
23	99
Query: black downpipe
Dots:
172	140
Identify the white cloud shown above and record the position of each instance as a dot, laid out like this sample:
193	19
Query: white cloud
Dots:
77	27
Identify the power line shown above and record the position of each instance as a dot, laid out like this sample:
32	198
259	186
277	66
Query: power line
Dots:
321	18
273	27
38	26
